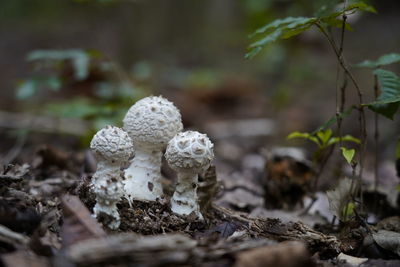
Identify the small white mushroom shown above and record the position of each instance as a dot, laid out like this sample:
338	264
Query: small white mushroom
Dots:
151	123
188	153
111	147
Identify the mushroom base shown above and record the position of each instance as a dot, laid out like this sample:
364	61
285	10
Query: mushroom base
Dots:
107	213
107	187
143	176
184	201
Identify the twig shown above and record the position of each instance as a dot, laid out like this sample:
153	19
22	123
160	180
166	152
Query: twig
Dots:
361	110
376	141
322	165
15	150
13	238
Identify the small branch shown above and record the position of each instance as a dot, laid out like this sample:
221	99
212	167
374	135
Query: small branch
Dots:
376	141
322	164
342	91
362	120
10	237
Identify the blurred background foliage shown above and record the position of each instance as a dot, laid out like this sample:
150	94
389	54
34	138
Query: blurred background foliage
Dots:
91	59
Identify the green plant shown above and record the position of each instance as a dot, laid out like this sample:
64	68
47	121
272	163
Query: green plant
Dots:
325	142
386	88
323	139
102	90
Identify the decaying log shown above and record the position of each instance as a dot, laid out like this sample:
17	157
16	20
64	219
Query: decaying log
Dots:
328	246
170	249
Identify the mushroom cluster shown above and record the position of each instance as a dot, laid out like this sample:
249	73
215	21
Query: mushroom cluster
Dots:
150	126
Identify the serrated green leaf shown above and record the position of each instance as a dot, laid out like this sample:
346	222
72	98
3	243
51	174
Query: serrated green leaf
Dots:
381	61
279	29
325	7
291	26
338	23
348	154
278	24
293	32
361	6
388	102
267	39
253	52
349	8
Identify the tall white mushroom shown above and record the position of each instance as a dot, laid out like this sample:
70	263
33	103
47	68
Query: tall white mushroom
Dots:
188	153
151	123
111	147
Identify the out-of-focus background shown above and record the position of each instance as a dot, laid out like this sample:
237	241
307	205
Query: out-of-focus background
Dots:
68	68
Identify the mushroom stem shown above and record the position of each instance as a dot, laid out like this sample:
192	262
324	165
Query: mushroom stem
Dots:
184	200
143	176
108	192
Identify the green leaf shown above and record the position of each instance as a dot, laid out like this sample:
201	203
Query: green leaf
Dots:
349	8
80	59
292	26
324	136
381	61
325	7
304	136
338	23
346	138
398	149
361	6
348	154
26	89
279	23
78	108
348	210
388	102
279	29
350	138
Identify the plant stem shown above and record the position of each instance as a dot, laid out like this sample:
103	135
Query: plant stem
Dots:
376	141
362	120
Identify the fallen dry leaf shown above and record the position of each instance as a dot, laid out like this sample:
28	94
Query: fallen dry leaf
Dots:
78	222
285	254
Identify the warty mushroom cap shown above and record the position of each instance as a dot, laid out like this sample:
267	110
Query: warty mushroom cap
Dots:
112	144
152	121
190	151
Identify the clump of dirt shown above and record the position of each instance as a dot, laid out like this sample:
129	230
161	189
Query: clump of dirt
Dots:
156	217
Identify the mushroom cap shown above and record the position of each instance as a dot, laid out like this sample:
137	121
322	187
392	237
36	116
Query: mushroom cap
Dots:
112	144
152	121
189	151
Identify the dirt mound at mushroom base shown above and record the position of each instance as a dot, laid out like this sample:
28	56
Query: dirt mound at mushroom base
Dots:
155	217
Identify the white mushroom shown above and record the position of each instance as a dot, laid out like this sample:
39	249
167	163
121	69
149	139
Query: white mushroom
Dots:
111	147
151	123
188	153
